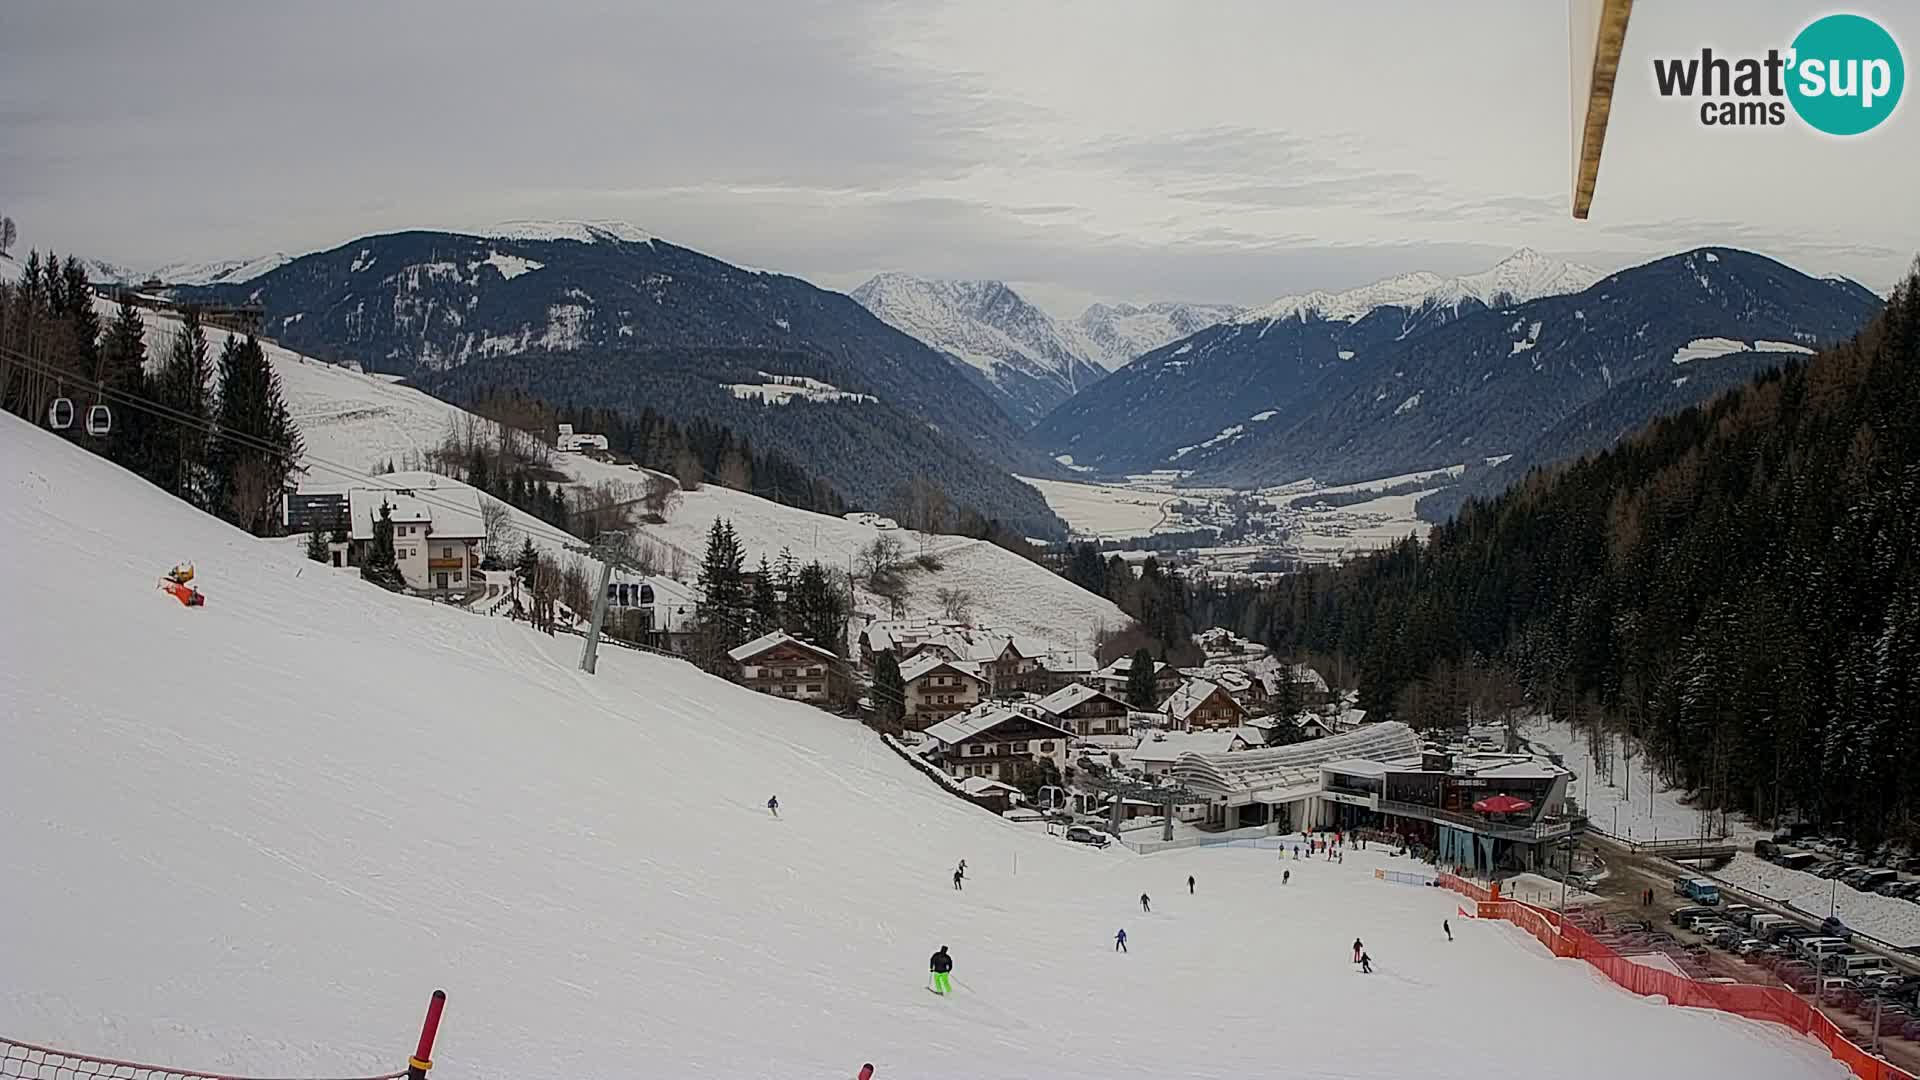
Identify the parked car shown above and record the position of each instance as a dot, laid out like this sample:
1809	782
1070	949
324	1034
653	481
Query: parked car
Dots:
1748	946
1739	914
1678	916
1829	869
1081	834
1894	1019
1798	860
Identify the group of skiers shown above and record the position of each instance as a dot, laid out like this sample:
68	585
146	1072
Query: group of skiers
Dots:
940	965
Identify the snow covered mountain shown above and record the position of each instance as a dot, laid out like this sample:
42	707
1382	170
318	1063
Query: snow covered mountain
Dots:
220	271
215	272
221	847
1111	335
1422	372
605	314
1524	275
1028	361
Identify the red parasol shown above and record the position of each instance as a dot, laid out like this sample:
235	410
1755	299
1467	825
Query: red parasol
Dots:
1502	804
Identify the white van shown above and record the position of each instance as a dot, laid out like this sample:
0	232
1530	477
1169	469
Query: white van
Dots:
1816	949
1851	964
1762	925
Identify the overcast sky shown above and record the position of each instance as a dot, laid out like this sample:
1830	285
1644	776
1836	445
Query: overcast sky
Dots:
1098	150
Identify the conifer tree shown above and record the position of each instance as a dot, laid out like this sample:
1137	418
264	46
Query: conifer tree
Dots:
765	604
123	354
182	387
528	562
889	694
723	616
818	609
248	464
1140	686
380	566
317	549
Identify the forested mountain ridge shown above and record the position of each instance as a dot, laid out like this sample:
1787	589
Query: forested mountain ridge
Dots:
638	321
1737	586
1416	383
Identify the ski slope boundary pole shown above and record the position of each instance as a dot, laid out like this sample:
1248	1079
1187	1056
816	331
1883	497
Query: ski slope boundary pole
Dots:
422	1058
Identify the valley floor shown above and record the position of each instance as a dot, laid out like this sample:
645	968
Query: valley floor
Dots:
251	837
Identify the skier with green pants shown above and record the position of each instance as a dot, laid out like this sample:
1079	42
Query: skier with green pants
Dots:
942	967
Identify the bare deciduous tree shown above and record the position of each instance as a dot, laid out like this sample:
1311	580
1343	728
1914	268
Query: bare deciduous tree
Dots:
955	604
8	234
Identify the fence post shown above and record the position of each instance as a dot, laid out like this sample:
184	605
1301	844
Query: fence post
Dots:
422	1058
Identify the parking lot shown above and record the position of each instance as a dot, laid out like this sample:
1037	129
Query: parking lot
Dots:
1734	941
1884	873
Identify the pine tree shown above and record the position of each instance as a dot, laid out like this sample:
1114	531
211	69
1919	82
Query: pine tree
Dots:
380	566
317	549
1286	700
528	562
182	387
1140	686
249	463
123	355
765	605
889	694
723	616
819	609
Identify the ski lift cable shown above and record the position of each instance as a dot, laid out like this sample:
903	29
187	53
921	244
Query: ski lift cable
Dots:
250	441
254	442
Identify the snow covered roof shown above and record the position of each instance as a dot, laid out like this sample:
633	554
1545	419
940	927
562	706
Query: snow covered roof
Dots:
1521	770
1123	666
1254	737
1074	694
928	662
1358	767
1186	701
879	638
980	785
1287	767
449	507
966	725
764	642
1171	746
1107	742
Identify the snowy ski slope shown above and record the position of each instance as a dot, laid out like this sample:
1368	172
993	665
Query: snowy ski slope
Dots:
250	837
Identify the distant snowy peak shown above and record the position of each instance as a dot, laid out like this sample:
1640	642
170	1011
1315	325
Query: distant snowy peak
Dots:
221	271
215	272
1027	358
1113	334
585	232
1525	275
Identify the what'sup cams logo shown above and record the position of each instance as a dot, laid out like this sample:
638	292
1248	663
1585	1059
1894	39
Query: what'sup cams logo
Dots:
1842	76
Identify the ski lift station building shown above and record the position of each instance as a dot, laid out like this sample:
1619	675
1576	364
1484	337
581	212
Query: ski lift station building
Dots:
1383	777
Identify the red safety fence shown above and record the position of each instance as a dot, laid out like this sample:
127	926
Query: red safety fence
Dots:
28	1061
1773	1004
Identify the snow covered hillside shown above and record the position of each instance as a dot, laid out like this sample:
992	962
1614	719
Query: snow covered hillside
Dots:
279	820
1009	593
360	422
1030	362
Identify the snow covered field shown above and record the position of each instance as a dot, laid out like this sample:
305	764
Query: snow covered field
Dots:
1894	921
1105	510
1321	534
252	836
1608	807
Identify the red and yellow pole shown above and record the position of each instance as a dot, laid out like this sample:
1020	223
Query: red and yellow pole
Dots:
422	1058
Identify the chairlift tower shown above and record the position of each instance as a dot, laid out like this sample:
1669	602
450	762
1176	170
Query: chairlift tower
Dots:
1124	788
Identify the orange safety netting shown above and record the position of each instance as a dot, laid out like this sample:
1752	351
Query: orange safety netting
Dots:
1769	1003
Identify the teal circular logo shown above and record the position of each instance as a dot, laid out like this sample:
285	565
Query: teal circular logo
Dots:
1847	74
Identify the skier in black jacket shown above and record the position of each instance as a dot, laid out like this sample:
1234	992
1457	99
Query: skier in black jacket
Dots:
941	965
